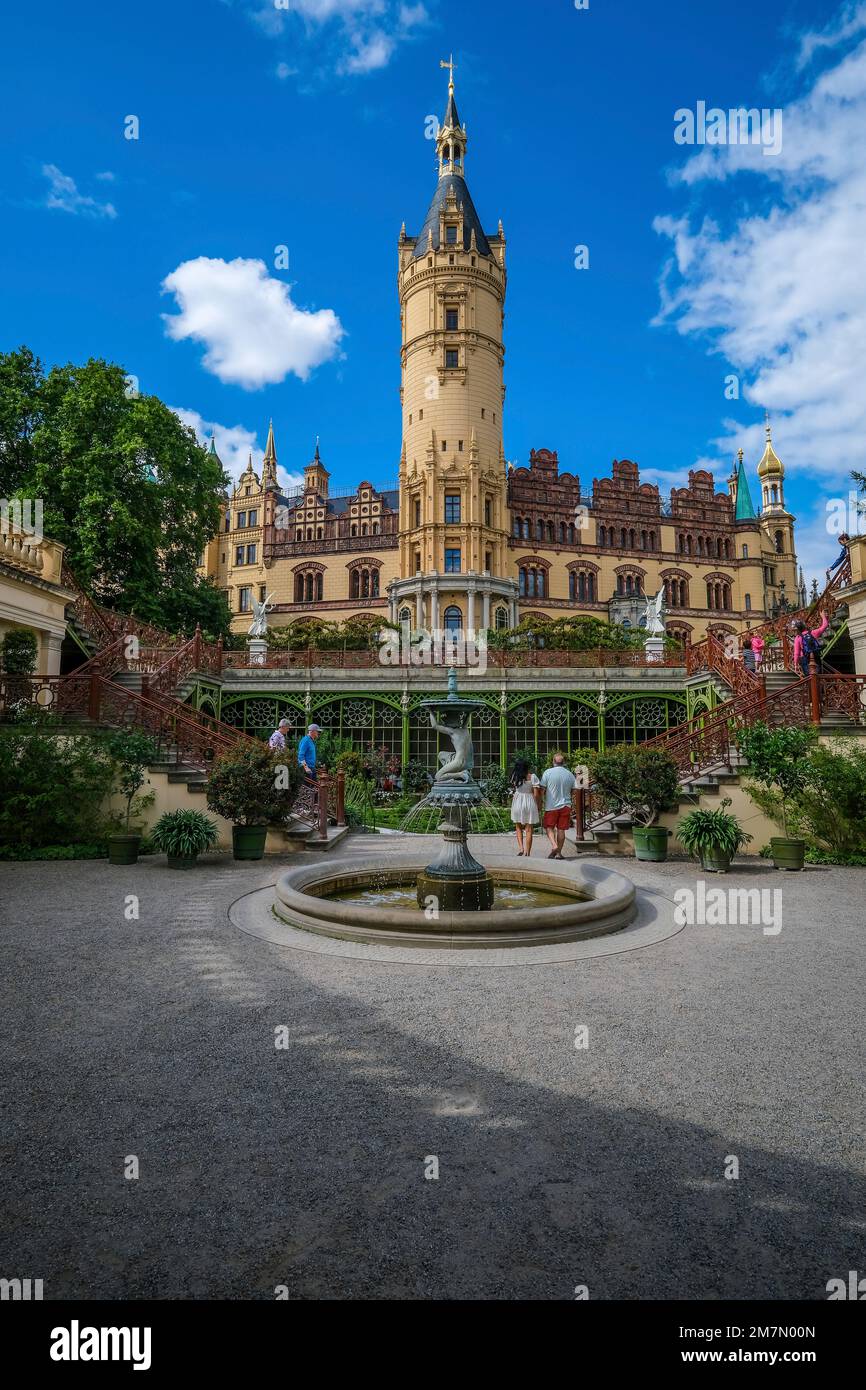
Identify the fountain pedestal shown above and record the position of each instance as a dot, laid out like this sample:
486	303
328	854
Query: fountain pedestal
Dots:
456	881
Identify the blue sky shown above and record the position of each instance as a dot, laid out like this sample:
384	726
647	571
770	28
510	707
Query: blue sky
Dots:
262	127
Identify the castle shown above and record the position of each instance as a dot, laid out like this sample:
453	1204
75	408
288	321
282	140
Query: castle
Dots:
465	541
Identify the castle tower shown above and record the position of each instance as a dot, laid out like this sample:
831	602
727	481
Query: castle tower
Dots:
453	511
269	462
777	524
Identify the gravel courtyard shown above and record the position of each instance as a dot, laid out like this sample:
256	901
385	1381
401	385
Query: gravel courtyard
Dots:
305	1166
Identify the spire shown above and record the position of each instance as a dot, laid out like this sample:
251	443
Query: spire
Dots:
744	509
770	461
451	139
269	462
452	119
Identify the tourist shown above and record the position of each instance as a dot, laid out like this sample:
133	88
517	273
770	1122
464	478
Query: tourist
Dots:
844	541
307	752
807	644
748	655
277	740
524	805
758	648
558	784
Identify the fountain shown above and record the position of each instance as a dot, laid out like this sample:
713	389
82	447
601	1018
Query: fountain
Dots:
453	900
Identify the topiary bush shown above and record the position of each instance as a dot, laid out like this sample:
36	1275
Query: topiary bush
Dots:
250	785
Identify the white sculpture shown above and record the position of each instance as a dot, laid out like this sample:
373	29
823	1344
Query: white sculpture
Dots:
259	625
655	614
459	767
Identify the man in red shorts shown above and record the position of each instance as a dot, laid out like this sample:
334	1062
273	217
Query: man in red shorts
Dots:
558	784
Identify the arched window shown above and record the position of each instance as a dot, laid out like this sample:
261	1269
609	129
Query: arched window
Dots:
688	545
308	589
562	533
550	533
354	530
540	583
521	583
582	588
779	542
501	618
365	583
622	538
299	588
652	540
354	584
590	587
632	540
700	545
517	527
309	533
453	619
320	585
539	530
629	584
405	615
374	583
571	533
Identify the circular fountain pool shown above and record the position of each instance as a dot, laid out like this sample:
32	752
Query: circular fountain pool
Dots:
369	903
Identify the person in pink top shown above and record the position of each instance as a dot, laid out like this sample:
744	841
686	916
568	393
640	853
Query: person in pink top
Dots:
808	644
758	649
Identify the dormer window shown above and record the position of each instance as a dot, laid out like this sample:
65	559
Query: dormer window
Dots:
451	235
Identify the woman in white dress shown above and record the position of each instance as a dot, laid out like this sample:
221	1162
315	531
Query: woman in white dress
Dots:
524	805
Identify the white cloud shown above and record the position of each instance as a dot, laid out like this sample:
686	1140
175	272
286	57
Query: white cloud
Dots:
106	176
234	444
253	332
781	293
64	196
351	37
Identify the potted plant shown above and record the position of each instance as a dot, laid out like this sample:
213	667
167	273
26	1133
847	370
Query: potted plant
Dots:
132	753
644	781
712	836
779	761
251	786
183	836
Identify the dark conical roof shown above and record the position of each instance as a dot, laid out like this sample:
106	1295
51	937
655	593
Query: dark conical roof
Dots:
451	117
452	183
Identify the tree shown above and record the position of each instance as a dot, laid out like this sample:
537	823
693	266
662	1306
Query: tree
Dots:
125	485
778	760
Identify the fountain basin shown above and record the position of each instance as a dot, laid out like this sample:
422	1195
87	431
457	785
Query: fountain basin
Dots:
597	901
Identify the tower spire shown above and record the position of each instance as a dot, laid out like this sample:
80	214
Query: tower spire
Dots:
269	462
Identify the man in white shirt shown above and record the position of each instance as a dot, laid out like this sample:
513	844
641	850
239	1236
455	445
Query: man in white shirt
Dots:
558	784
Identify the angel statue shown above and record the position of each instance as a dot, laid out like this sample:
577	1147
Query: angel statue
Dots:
259	625
655	614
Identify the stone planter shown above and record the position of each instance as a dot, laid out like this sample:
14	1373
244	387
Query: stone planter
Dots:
715	861
651	843
788	854
248	841
123	849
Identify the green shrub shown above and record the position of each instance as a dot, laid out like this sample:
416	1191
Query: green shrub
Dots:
702	831
780	762
18	651
54	787
644	781
829	810
250	785
132	753
415	776
49	852
183	834
495	784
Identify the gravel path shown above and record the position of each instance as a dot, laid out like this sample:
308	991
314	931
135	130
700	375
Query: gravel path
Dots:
304	1166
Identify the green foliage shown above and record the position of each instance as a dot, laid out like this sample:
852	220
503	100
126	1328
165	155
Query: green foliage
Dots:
51	852
779	760
126	487
54	787
644	781
132	752
702	831
495	783
18	651
573	634
358	633
415	776
829	811
183	834
250	785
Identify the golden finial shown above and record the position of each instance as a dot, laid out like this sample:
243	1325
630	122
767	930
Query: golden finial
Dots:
450	65
740	456
767	426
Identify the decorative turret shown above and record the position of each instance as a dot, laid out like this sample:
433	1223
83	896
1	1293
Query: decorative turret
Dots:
744	507
316	475
771	472
269	463
451	140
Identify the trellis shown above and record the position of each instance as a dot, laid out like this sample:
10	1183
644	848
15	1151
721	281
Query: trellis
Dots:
546	723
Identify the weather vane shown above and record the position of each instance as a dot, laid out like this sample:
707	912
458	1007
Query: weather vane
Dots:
450	65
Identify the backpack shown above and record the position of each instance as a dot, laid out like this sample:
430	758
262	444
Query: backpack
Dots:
811	645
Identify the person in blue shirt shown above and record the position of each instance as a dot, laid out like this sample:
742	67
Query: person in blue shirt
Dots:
307	752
